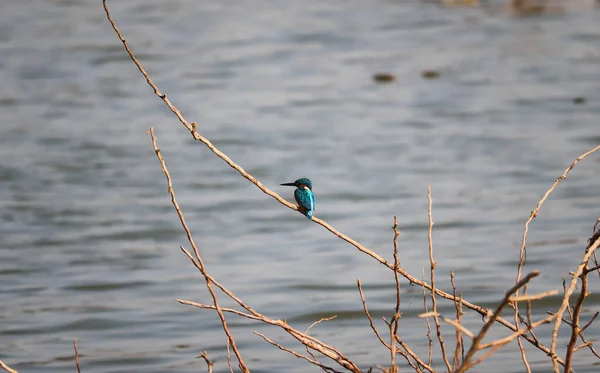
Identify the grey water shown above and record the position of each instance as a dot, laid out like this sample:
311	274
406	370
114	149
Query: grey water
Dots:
89	241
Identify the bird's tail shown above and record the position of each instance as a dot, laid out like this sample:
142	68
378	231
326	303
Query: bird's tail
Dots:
309	214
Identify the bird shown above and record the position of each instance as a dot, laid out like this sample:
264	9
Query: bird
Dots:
304	196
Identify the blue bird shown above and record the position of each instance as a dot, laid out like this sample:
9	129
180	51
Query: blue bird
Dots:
304	196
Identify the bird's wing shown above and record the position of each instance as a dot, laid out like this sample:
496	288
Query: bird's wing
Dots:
305	198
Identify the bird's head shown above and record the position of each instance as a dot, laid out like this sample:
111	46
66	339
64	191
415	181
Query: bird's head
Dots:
300	182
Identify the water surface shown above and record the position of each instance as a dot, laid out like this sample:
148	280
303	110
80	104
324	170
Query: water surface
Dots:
89	240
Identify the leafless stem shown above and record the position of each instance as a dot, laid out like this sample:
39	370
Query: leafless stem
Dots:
364	303
503	341
586	343
307	340
475	346
412	354
565	303
590	322
575	329
76	355
522	255
529	298
198	261
449	321
300	356
459	338
318	322
433	264
396	317
427	320
7	368
229	358
209	363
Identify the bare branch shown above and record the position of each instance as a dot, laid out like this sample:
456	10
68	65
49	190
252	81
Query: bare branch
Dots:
7	368
319	321
193	131
433	264
522	298
459	339
312	361
589	252
434	291
307	340
198	261
209	363
362	298
427	320
76	355
522	258
475	346
396	318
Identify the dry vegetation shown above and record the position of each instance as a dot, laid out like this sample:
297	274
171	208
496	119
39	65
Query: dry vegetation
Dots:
458	354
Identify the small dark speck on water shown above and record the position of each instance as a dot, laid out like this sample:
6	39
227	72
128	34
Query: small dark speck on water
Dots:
430	74
384	77
579	100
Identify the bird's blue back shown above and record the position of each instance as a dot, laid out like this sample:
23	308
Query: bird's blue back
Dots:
306	199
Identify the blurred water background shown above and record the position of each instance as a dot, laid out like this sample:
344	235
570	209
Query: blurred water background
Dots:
88	237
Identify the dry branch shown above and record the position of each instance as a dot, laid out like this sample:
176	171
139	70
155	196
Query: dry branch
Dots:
209	363
565	303
193	131
396	318
76	355
433	264
300	356
459	349
364	303
307	340
331	352
198	259
7	368
475	346
522	258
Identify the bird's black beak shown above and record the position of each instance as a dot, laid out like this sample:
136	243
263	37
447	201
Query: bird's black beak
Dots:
288	184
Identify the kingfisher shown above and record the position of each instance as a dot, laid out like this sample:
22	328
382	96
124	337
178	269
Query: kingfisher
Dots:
304	196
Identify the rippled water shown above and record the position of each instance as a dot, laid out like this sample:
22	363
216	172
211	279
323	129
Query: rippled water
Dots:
89	240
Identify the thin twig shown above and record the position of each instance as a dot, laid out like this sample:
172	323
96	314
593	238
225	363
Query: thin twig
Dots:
396	318
318	322
310	327
575	329
454	323
527	298
76	355
433	264
459	338
523	253
590	322
197	253
210	364
364	303
7	368
503	341
587	344
565	303
412	354
427	320
312	361
229	365
307	340
581	335
466	364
